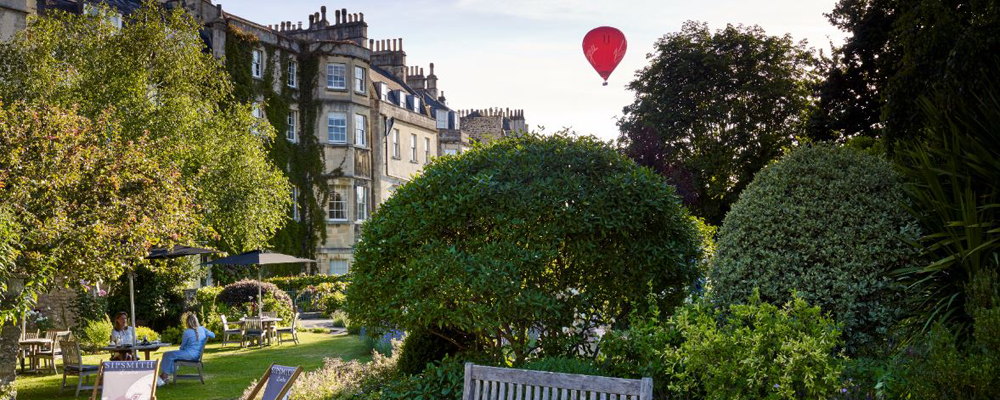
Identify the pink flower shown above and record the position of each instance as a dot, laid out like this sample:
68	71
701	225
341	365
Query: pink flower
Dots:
102	293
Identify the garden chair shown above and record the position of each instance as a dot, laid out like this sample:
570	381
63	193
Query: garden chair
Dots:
23	352
131	380
253	329
73	366
226	332
52	353
272	328
290	330
279	380
190	363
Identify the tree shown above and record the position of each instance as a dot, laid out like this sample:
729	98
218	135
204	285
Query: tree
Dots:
712	109
898	52
77	205
829	222
531	234
167	154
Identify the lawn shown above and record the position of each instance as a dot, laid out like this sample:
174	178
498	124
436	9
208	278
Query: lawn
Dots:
228	370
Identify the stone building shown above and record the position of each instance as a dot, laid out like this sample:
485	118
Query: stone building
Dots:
490	124
14	16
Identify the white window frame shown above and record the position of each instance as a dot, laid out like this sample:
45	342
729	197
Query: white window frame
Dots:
346	264
292	74
337	202
258	114
333	79
416	104
336	133
451	152
359	79
360	130
361	202
395	144
291	133
427	150
257	64
413	147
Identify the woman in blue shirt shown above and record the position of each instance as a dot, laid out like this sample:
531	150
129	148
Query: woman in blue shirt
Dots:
192	343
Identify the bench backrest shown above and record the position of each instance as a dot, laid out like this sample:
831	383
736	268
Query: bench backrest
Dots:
491	383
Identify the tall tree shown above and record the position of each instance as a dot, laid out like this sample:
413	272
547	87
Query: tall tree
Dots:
711	109
118	139
898	52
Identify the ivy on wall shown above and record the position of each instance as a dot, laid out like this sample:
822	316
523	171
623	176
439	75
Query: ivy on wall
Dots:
302	160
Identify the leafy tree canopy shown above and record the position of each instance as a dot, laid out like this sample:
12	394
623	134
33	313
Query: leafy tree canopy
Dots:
712	108
532	234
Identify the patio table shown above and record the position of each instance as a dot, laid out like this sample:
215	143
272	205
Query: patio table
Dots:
268	323
31	345
145	348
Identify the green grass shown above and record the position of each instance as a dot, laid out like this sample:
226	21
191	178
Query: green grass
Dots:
228	371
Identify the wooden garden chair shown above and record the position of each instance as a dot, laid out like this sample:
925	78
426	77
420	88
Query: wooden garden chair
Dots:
227	332
132	380
191	363
73	366
279	380
290	330
24	353
253	329
54	352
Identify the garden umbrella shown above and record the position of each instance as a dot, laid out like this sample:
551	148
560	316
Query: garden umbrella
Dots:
258	258
161	253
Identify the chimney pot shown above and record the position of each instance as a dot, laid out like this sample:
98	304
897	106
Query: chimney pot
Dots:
322	10
432	70
343	13
371	44
400	44
300	25
421	71
362	16
336	14
393	44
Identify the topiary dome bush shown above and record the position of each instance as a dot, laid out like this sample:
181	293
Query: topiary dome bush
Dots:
245	291
529	234
829	222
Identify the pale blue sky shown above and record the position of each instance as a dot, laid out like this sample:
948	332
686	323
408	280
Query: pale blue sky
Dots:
527	54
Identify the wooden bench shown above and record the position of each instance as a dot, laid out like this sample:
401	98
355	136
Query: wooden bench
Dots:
491	383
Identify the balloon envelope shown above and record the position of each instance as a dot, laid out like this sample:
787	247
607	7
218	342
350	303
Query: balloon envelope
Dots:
604	47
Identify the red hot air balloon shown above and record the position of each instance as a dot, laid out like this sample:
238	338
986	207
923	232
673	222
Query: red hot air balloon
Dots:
604	47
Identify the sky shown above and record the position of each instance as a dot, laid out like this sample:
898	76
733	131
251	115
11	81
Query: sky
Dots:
527	54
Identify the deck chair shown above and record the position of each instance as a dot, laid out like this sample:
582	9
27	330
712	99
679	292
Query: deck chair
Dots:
133	380
290	330
227	332
190	363
73	366
253	329
279	380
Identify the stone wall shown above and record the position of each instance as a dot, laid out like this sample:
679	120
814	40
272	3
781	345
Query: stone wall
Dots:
57	304
483	128
13	17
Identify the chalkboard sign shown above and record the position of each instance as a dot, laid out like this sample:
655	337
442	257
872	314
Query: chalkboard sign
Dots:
276	382
127	380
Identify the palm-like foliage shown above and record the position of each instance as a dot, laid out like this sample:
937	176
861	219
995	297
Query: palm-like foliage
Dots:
955	174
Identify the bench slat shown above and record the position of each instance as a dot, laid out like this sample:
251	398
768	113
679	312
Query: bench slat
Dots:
554	379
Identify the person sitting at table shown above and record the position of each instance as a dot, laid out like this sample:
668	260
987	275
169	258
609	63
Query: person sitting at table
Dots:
192	343
122	334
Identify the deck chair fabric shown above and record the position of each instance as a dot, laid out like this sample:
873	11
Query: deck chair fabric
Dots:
127	380
277	382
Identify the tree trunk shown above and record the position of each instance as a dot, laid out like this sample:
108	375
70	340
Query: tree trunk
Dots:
9	336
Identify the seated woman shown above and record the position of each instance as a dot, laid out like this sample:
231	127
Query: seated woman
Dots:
192	344
122	334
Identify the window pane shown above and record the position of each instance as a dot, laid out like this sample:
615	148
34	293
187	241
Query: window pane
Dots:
336	128
292	117
291	73
360	127
339	267
395	143
362	203
413	148
427	150
336	77
337	207
359	79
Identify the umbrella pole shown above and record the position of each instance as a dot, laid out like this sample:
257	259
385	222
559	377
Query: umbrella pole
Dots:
131	296
260	302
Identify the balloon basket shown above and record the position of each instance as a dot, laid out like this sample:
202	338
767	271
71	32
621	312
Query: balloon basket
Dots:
604	84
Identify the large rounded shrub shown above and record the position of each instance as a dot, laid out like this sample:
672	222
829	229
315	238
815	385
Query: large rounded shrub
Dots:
530	234
828	222
238	295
